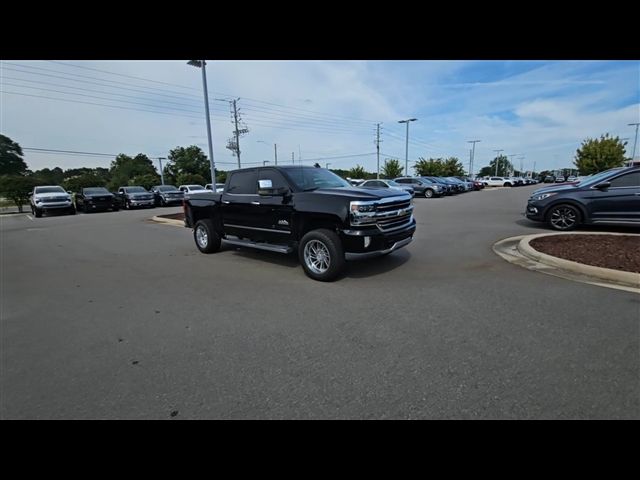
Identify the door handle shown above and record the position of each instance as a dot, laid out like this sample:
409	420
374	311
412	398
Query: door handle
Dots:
255	203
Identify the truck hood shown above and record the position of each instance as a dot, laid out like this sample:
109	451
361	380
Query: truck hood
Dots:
363	193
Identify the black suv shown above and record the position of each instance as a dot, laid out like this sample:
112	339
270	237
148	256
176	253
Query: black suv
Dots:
609	198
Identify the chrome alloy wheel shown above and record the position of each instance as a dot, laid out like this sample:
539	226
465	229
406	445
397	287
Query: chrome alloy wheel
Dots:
316	256
201	236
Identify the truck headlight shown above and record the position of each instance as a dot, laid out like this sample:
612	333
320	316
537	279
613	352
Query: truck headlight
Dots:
362	208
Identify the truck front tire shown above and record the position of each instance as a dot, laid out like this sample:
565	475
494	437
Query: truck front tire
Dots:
206	238
321	255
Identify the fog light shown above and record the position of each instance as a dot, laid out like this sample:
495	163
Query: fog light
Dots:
367	242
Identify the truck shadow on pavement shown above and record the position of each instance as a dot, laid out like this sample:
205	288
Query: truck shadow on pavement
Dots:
354	269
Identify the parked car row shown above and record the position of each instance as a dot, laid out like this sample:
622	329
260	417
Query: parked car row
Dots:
50	198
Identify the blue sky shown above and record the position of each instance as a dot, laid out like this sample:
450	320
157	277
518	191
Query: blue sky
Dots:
322	111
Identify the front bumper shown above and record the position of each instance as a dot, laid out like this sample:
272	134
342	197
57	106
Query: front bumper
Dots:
142	203
377	242
53	206
535	211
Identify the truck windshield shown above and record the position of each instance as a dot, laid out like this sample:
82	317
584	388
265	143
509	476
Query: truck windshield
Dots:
312	178
50	190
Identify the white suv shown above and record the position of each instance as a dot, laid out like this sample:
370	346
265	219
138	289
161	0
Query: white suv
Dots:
51	197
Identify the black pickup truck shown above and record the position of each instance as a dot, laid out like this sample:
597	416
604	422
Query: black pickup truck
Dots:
308	209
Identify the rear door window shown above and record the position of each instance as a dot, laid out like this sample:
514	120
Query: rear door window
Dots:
629	180
243	183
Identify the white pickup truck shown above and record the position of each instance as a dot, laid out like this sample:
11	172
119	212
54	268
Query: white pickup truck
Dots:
51	197
497	182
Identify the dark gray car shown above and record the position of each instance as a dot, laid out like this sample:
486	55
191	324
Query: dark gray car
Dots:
422	186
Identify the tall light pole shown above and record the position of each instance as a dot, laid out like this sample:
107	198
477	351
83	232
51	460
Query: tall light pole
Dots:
473	155
406	150
201	64
275	150
633	155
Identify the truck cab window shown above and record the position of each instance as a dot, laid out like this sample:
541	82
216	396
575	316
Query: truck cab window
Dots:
243	183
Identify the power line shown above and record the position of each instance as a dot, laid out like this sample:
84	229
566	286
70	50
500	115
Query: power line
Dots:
249	100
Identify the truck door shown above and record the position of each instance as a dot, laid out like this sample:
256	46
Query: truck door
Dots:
239	203
274	213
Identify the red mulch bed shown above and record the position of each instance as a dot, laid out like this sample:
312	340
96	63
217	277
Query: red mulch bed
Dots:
618	252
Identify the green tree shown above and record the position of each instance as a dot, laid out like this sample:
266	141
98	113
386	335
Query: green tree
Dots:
124	168
147	180
357	172
17	188
48	176
597	155
451	167
434	167
191	179
391	169
11	162
77	183
189	160
504	167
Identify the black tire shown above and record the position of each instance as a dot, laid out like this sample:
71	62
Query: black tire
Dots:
127	205
321	254
563	217
206	238
72	210
162	202
85	208
428	193
506	184
115	209
37	212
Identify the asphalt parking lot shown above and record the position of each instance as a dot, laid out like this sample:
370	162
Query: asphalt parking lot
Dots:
111	316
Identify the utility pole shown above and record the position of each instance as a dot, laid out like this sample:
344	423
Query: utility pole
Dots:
473	155
212	164
293	159
498	159
299	155
406	150
161	174
275	152
235	118
378	150
633	155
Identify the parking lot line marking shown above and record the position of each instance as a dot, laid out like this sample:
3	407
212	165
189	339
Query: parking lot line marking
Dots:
29	217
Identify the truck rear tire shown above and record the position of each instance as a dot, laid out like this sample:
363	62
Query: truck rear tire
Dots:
321	255
206	238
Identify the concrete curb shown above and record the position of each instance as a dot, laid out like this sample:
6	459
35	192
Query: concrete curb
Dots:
606	274
168	221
